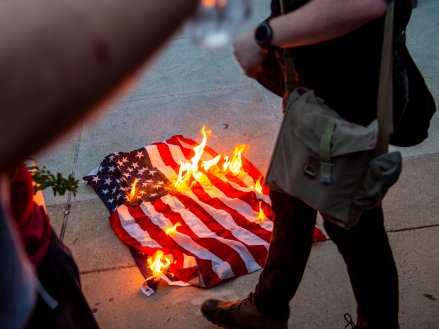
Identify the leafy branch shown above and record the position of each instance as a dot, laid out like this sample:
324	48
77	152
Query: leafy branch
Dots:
43	178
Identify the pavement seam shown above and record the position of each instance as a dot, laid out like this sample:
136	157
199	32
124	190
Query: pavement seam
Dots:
70	194
183	93
122	267
107	269
397	230
421	156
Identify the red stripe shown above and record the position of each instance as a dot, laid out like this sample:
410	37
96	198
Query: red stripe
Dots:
237	217
246	165
169	245
219	249
166	156
123	235
214	202
233	193
222	250
179	139
255	174
188	153
258	252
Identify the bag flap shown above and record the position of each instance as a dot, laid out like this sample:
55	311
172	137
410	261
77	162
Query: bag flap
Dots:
307	115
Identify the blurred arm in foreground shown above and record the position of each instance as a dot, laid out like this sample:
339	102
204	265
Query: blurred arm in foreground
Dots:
59	59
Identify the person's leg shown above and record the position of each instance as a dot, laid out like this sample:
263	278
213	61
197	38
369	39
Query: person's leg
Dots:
371	267
59	276
290	246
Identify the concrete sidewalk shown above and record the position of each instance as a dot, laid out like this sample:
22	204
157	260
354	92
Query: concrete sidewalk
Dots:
187	87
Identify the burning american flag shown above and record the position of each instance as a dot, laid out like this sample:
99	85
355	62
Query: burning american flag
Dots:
188	211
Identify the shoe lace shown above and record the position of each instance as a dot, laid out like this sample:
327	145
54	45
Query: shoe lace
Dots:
349	321
245	301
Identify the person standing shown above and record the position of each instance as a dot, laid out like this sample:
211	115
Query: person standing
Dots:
336	48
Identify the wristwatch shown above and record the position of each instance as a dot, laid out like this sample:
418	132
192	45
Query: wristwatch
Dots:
263	34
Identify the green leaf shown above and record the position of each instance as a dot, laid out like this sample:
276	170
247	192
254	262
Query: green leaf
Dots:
43	179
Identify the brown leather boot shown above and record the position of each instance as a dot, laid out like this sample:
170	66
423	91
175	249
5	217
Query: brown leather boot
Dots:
239	315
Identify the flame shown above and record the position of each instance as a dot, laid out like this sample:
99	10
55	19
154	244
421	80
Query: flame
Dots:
261	216
190	169
234	164
210	163
159	263
172	229
133	190
258	186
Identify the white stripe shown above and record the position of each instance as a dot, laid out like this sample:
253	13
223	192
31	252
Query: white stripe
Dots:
244	177
227	221
156	161
221	216
186	145
240	206
249	188
220	267
202	231
133	229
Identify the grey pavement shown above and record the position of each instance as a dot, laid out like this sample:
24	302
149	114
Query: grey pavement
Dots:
186	87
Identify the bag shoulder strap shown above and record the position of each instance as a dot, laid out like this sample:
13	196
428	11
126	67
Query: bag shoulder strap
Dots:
385	86
290	73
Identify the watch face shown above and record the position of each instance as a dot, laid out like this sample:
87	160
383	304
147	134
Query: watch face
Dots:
263	34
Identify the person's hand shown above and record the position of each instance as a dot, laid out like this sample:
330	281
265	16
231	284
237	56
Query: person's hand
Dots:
248	54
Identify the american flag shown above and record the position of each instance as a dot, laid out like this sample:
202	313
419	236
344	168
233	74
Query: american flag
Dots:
219	231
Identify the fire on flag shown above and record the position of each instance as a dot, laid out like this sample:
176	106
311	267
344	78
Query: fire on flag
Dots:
201	216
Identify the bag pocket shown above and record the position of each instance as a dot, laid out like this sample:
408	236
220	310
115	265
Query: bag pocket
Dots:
382	173
323	159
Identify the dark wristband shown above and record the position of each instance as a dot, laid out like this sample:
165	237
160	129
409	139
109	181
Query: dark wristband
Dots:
264	34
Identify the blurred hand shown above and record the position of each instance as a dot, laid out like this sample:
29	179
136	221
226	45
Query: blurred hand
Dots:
248	54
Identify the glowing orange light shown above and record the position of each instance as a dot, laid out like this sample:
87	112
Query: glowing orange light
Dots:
261	216
190	169
258	186
213	3
159	263
234	164
210	163
133	191
172	229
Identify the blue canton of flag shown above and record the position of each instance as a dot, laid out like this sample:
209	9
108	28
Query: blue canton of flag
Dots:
117	174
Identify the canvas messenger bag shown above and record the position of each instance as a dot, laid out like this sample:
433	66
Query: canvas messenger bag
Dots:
337	167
